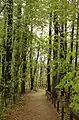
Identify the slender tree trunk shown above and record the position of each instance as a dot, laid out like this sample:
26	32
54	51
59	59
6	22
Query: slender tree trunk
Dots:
55	50
62	48
24	74
9	39
35	68
77	41
31	58
49	54
3	59
16	53
9	9
71	56
41	70
71	45
65	50
24	52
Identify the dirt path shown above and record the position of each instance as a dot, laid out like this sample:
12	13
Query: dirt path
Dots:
35	107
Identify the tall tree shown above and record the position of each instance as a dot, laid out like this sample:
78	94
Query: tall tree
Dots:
77	36
55	51
49	54
9	36
31	59
16	51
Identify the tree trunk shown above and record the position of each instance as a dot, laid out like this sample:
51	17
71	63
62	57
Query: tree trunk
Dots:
31	58
9	9
49	54
77	41
71	45
55	50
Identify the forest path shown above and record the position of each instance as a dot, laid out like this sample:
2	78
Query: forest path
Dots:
34	107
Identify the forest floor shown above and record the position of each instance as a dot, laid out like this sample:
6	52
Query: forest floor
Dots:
34	107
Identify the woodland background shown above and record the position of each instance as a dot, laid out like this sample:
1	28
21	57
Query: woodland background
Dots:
39	48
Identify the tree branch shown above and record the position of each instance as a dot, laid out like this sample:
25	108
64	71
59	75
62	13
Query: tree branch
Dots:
2	8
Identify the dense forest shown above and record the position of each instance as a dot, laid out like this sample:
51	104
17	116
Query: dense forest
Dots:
38	48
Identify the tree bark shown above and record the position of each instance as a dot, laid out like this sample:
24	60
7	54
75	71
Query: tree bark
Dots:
49	54
55	50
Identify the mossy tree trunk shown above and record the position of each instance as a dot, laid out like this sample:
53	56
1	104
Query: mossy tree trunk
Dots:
9	36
